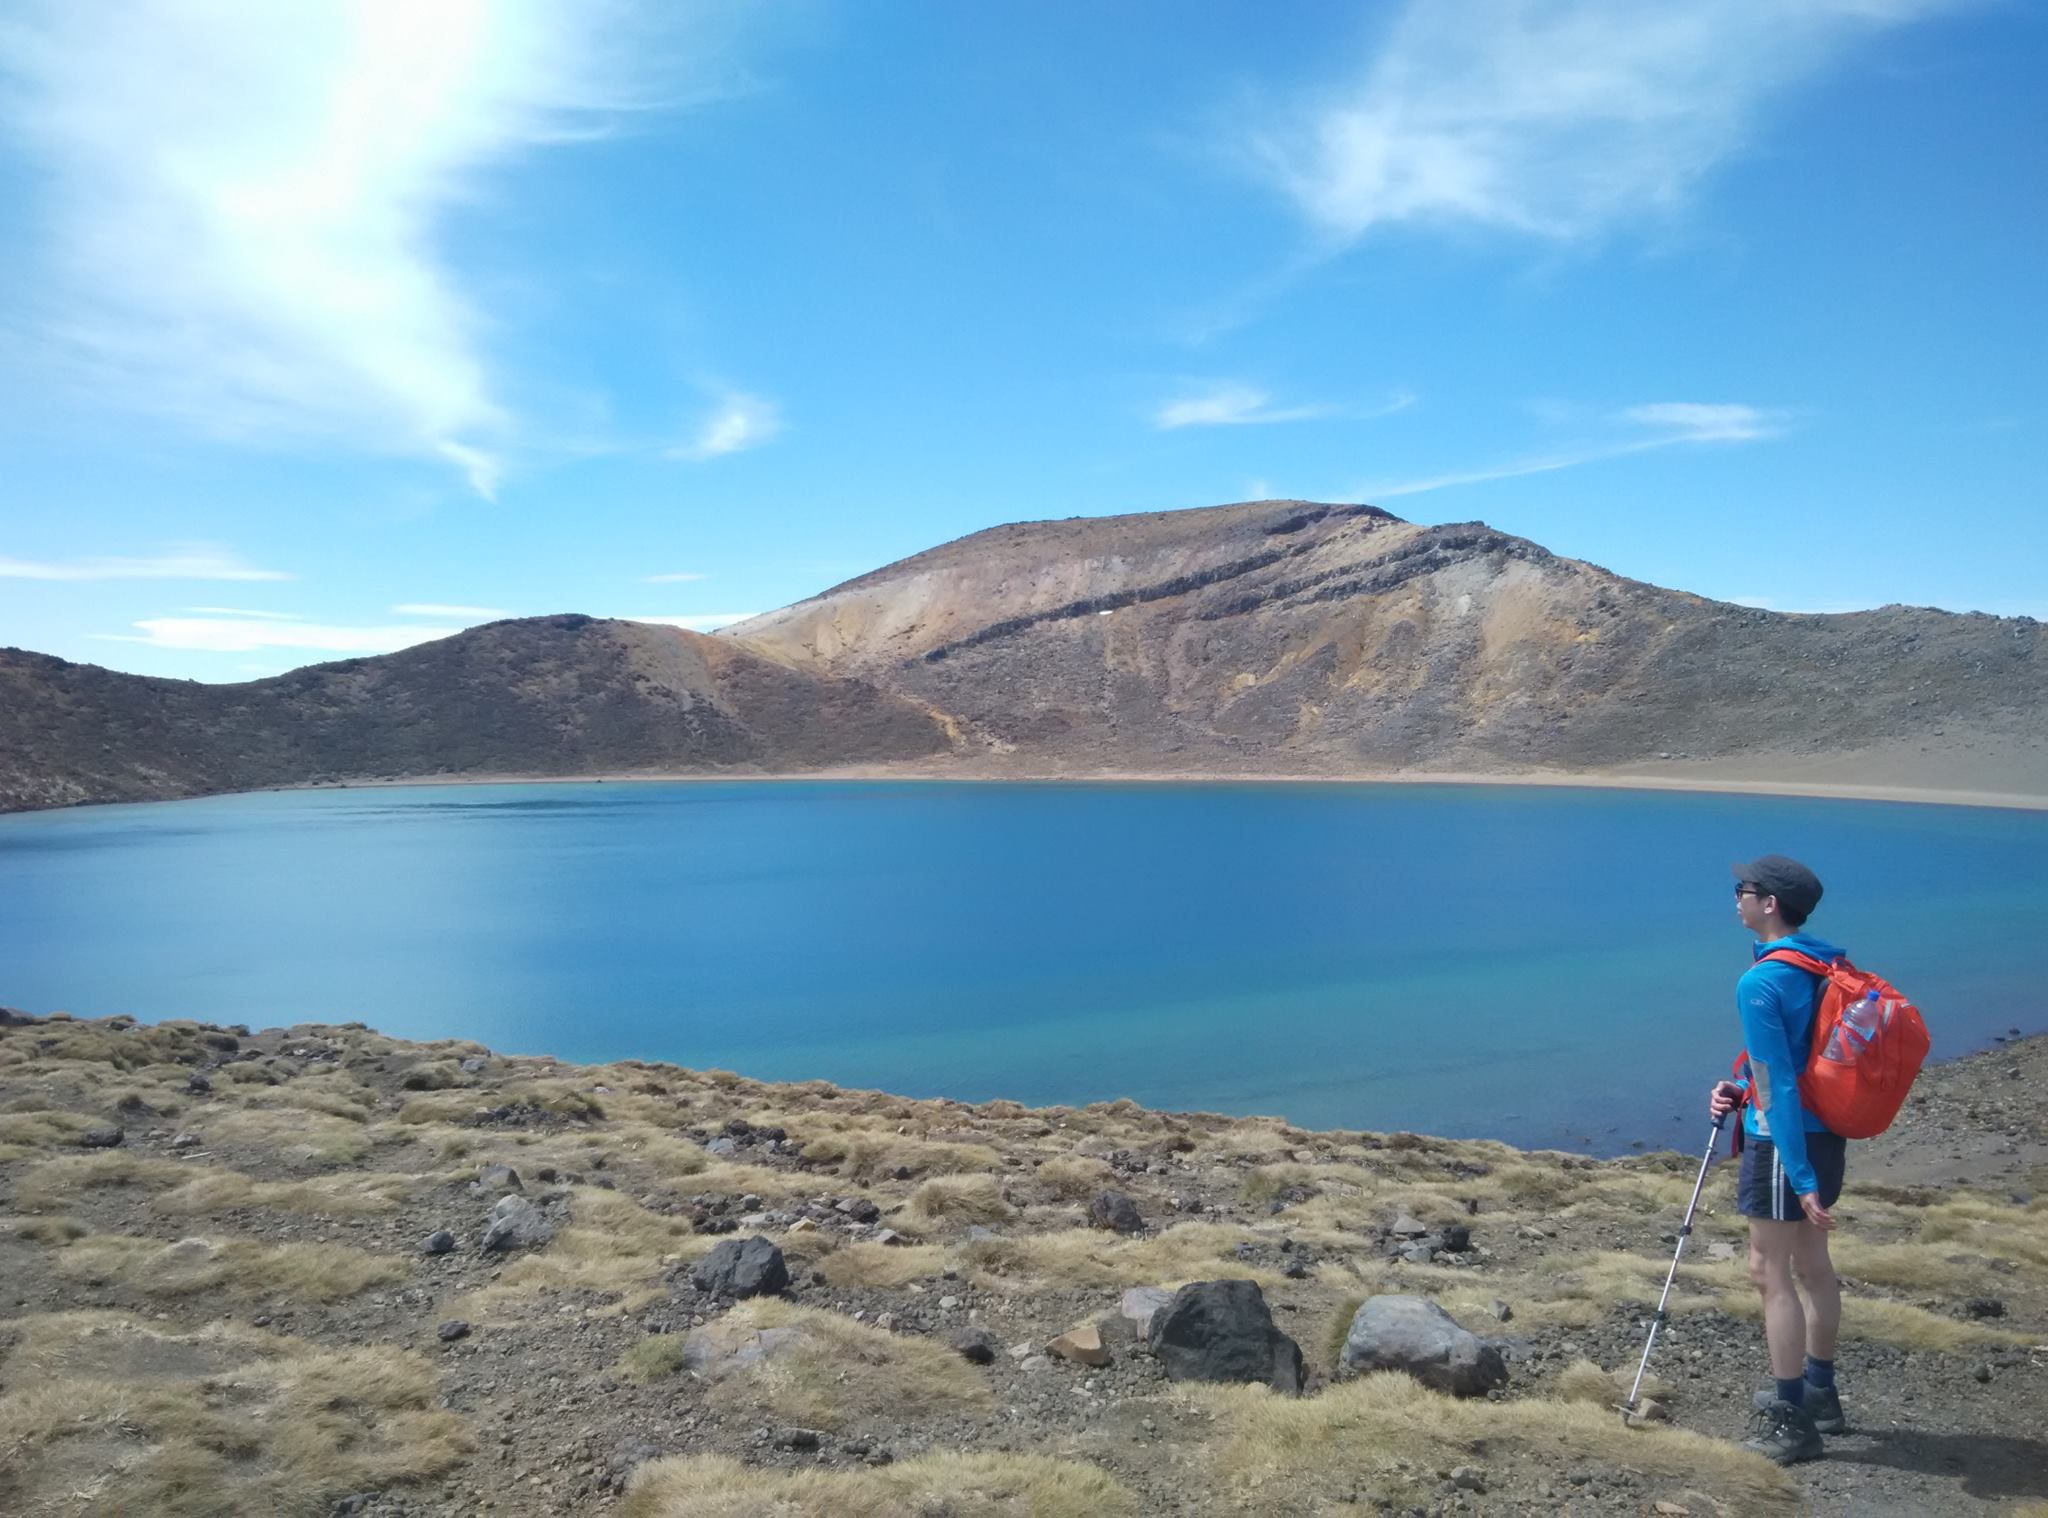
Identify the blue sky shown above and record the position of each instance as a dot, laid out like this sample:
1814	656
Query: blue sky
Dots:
326	328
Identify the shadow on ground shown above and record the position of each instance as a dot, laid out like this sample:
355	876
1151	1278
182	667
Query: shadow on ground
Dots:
1991	1466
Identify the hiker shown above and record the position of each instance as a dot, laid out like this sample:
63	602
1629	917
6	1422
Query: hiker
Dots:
1791	1169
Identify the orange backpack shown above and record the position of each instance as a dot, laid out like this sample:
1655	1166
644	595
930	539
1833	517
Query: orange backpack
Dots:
1868	1044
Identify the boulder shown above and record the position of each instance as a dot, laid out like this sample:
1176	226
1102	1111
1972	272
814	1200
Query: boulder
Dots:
498	1178
1223	1331
452	1330
1116	1212
977	1346
1456	1238
440	1241
742	1268
1408	1227
720	1348
721	1149
515	1223
1082	1344
1414	1335
101	1136
1140	1303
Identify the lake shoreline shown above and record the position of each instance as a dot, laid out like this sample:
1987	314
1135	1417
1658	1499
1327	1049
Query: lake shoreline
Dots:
1817	791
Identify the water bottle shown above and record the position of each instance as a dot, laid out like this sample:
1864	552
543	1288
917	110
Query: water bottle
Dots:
1864	1019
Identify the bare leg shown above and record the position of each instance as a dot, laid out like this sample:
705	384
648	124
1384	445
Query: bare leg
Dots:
1771	1248
1815	1272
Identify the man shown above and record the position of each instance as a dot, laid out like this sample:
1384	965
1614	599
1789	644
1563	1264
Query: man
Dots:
1791	1165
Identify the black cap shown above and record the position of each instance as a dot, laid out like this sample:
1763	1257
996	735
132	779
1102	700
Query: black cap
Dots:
1787	879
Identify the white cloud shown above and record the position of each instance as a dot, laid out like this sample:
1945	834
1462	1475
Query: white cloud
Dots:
1668	424
245	200
675	579
186	561
1552	118
436	609
738	422
1690	422
241	611
239	636
701	623
1229	404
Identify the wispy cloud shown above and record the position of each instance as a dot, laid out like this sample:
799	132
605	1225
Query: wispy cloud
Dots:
185	561
245	199
704	622
237	635
241	611
1229	404
437	609
675	579
1552	118
1642	429
736	423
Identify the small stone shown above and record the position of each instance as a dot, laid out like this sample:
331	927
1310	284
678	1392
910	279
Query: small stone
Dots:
721	1149
1673	1510
1406	1227
452	1330
515	1223
1035	1363
499	1178
1082	1344
198	1084
1469	1478
1418	1254
976	1346
948	1304
798	1438
1649	1410
1456	1239
101	1136
890	1237
1982	1373
474	1065
1984	1307
440	1241
1500	1310
186	1141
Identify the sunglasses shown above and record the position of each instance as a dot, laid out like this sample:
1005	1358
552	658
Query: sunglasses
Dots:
1745	889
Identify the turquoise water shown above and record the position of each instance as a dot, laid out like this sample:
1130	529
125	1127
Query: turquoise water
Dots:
1550	966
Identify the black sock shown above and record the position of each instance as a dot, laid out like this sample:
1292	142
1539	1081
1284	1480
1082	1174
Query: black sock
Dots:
1792	1390
1820	1373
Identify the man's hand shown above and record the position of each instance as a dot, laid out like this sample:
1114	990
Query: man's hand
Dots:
1809	1203
1726	1097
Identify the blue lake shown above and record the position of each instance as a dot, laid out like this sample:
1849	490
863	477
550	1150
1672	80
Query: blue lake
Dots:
1548	966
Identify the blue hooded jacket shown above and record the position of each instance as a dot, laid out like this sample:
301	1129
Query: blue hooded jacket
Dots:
1777	1003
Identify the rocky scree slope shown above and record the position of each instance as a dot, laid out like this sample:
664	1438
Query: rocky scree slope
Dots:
1331	639
561	695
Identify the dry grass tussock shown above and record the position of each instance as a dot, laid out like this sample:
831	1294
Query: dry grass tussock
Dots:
1075	1178
296	1136
653	1358
837	1371
613	1247
43	1130
242	1267
200	1189
882	1265
1288	1454
960	1486
1899	1323
112	1416
959	1199
868	1155
1087	1257
1992	1228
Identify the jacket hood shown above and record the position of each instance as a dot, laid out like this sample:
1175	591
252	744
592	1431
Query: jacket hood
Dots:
1805	943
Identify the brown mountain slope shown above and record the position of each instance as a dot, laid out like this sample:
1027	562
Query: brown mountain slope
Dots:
558	695
1288	635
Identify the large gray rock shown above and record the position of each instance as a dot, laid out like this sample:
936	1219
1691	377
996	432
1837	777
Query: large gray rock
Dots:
1414	1335
1141	1304
515	1223
1222	1331
1116	1212
742	1268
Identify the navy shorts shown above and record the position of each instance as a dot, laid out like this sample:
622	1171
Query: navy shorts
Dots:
1764	1191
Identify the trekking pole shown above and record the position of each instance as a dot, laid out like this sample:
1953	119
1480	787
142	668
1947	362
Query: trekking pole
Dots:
1657	1319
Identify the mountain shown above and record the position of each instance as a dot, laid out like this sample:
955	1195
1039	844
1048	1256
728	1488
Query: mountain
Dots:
1322	639
563	695
1283	637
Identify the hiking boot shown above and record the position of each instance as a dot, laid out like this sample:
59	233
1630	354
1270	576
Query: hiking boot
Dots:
1784	1433
1823	1402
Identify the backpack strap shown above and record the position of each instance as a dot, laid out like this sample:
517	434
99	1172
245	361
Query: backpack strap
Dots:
1799	961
